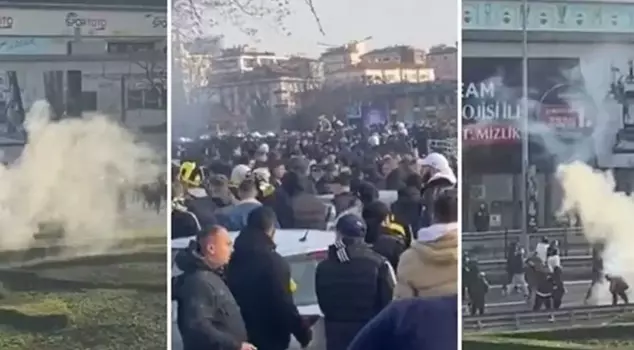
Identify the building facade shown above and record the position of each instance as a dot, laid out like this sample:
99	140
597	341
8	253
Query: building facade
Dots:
338	58
262	97
401	54
444	62
570	71
242	60
381	73
106	58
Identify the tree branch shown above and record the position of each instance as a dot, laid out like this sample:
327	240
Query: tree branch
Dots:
311	7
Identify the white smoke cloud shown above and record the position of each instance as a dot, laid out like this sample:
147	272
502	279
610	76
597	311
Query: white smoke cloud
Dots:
71	173
606	215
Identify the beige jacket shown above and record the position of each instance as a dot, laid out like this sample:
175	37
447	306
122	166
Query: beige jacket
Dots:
429	268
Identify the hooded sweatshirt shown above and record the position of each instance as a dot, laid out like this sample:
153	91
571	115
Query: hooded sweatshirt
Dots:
429	268
443	178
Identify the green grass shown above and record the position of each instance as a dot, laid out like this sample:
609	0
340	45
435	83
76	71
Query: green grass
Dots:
114	304
615	337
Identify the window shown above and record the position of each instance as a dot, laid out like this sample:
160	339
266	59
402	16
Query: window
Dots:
249	63
89	100
303	271
128	47
147	99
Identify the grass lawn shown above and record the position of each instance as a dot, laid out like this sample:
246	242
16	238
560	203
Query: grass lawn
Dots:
615	337
107	303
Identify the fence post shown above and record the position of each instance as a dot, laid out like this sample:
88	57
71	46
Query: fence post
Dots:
506	243
566	231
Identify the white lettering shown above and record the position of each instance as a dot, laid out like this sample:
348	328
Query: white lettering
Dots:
6	22
491	111
490	134
479	90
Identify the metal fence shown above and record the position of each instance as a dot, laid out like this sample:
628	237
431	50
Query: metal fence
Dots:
562	318
494	244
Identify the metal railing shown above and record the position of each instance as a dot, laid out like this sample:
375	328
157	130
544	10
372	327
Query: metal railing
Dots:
561	318
494	244
575	267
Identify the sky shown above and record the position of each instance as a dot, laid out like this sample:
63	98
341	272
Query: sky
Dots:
419	23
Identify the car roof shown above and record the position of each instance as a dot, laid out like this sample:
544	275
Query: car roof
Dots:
385	196
289	242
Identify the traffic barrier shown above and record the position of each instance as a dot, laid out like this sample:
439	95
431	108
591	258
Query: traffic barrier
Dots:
494	244
562	318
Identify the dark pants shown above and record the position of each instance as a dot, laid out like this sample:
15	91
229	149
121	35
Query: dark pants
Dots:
596	278
557	302
542	300
622	295
477	306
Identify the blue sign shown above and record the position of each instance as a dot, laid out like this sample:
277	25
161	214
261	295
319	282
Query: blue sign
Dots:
32	46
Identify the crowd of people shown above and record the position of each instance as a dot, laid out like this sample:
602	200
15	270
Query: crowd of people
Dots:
538	276
391	262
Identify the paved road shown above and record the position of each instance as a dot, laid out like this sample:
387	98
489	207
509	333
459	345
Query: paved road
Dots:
496	302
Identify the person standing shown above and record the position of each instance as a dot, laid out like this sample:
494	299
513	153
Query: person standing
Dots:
353	284
429	267
260	280
208	315
481	218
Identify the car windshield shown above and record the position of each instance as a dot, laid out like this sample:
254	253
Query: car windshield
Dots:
303	270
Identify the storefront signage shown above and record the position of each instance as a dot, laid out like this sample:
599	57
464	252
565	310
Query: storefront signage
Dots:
486	134
157	21
77	21
551	16
6	22
35	22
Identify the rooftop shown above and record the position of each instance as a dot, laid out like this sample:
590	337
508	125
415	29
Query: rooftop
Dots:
401	48
442	50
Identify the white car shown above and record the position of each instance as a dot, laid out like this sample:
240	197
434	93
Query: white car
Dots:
386	196
303	249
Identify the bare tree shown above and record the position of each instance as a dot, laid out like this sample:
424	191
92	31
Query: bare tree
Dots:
195	18
155	76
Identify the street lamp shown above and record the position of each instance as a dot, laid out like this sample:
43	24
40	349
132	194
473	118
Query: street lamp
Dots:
526	217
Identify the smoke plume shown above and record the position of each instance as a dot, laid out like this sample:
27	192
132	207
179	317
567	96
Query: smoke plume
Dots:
72	173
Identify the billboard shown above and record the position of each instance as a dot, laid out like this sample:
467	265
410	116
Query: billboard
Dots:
580	108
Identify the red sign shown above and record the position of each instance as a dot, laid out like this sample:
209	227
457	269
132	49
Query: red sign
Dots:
489	134
562	117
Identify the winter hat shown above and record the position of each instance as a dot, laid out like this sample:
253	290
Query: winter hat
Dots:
239	173
350	225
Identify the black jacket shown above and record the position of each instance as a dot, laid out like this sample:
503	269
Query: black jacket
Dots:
429	194
388	244
259	278
351	289
407	213
208	315
198	213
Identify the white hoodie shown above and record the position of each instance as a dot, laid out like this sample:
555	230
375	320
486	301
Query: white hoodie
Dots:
441	164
